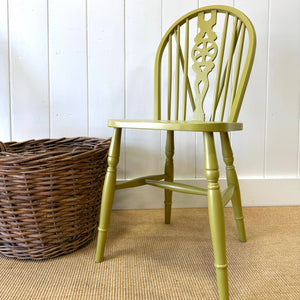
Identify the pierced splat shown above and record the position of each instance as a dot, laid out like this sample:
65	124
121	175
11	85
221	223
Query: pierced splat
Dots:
203	54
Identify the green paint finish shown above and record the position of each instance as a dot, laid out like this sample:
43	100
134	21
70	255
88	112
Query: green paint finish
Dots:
176	125
138	181
231	78
178	187
108	192
169	171
232	180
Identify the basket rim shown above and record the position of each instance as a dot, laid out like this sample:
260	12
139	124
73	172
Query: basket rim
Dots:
101	145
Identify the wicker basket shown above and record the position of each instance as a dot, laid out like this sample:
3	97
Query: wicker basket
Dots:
50	193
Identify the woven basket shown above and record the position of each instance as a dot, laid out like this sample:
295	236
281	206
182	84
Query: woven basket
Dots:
50	193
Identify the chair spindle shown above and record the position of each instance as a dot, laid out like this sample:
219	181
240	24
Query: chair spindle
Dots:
228	69
238	64
219	69
189	89
169	76
177	72
185	68
224	73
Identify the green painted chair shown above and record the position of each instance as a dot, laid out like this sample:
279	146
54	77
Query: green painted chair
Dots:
223	43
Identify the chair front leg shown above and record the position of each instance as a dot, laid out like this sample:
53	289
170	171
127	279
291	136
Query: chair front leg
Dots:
169	172
108	192
216	214
232	179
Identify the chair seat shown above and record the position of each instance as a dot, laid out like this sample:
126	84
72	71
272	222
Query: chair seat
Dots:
177	125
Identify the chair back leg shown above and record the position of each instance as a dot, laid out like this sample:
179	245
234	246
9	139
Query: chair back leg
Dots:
108	192
232	179
216	214
169	172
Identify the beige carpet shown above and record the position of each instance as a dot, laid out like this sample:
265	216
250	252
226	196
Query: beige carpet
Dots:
146	259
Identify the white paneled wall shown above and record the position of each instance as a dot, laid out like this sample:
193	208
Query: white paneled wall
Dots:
5	123
28	61
66	66
68	74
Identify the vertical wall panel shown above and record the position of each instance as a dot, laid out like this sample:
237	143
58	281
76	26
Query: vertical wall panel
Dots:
68	68
184	159
173	10
4	75
249	159
106	67
105	63
215	2
29	69
299	140
283	90
143	34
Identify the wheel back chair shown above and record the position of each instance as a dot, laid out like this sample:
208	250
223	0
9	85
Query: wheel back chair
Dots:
233	57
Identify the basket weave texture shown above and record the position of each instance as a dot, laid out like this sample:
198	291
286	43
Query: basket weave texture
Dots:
50	193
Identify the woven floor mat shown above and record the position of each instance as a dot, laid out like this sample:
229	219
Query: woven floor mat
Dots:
146	259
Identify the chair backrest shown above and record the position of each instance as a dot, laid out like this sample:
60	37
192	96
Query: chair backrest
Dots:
221	41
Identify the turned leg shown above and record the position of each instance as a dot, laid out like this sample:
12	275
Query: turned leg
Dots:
216	214
169	171
108	192
232	179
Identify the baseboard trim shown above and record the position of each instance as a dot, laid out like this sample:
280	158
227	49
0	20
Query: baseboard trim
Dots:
255	192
